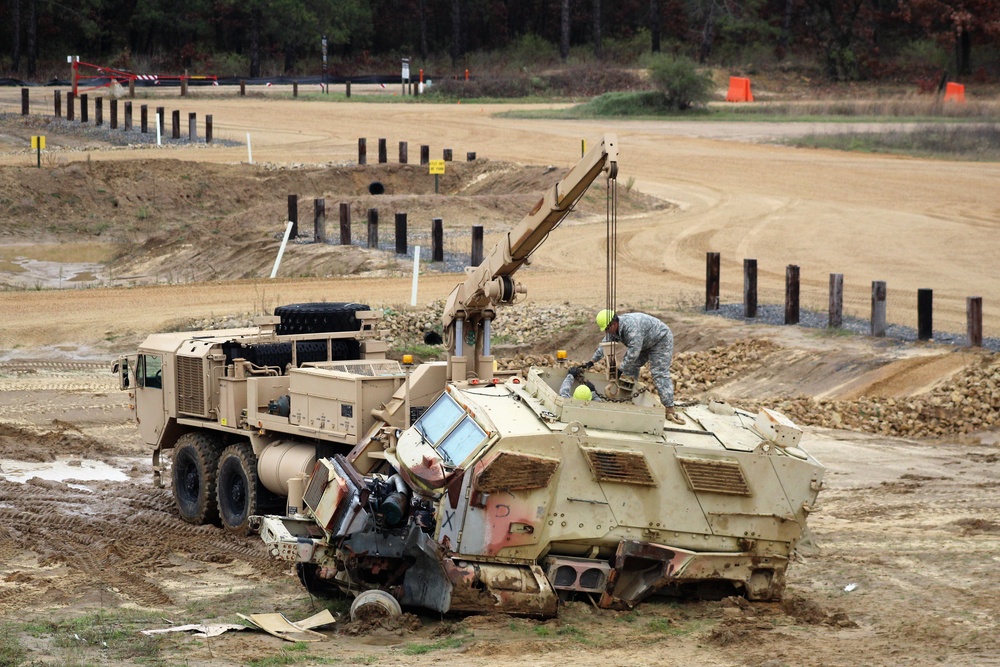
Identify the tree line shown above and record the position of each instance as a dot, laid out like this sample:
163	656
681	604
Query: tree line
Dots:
849	38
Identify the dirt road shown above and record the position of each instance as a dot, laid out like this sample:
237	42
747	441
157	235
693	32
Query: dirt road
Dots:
910	222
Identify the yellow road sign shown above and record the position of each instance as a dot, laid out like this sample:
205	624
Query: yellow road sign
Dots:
38	143
436	167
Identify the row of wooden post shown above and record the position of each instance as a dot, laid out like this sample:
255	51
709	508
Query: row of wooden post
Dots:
437	229
925	301
425	153
71	99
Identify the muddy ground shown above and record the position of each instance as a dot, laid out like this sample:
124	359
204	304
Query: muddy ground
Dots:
907	535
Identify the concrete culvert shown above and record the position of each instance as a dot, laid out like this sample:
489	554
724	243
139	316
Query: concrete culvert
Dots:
376	188
374	604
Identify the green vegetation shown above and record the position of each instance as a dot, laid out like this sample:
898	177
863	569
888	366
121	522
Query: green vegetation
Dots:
446	643
958	142
12	654
682	85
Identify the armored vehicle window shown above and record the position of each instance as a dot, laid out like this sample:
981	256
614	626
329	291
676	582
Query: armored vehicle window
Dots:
149	371
439	418
461	441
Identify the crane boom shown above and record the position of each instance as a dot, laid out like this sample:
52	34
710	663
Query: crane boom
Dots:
471	305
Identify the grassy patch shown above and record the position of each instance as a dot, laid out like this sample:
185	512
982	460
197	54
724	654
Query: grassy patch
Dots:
441	644
12	653
420	350
957	142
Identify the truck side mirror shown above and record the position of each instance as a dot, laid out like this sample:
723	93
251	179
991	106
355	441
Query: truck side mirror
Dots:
120	368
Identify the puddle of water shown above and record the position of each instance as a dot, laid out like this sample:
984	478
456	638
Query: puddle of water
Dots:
60	471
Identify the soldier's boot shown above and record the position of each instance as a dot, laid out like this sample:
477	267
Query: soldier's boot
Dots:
673	416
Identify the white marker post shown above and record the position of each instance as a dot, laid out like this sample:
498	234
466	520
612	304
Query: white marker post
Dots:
416	274
249	150
159	140
281	250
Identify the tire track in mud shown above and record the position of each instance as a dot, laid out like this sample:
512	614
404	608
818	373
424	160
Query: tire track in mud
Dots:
116	538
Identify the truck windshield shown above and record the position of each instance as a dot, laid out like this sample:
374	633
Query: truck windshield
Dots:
450	430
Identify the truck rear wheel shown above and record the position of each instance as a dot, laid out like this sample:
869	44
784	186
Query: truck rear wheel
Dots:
196	459
238	487
317	586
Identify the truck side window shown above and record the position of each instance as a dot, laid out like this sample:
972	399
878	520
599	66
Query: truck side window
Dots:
149	371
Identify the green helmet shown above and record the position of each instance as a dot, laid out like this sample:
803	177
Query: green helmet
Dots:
604	318
583	393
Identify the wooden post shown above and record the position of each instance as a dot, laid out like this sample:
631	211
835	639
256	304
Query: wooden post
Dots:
477	245
163	126
24	101
362	151
749	288
437	240
400	233
184	86
144	118
446	154
348	89
319	220
425	154
878	308
114	114
128	116
243	88
131	88
712	273
383	155
175	124
84	109
98	111
974	318
403	152
70	101
791	294
192	126
373	228
208	129
295	88
293	215
57	101
836	301
345	223
470	156
925	314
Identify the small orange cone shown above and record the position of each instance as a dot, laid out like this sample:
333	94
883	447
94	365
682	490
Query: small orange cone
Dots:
739	90
954	92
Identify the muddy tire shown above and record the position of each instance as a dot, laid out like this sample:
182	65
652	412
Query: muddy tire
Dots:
195	464
237	489
321	317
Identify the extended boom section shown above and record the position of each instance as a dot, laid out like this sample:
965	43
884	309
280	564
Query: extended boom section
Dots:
471	305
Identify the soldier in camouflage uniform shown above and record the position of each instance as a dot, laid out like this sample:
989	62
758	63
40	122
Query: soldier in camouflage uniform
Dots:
648	340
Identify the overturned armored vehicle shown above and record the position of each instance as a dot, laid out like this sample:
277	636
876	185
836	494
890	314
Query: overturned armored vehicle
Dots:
503	495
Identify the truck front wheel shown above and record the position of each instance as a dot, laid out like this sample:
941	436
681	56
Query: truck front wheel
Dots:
196	459
237	487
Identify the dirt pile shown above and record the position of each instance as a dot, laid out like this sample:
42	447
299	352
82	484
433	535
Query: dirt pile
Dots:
967	403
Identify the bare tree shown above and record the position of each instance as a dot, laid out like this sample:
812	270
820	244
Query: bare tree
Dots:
32	38
456	30
654	24
564	31
15	52
256	17
598	51
423	29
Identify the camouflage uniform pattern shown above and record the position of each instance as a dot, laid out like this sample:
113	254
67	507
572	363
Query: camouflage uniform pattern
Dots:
648	340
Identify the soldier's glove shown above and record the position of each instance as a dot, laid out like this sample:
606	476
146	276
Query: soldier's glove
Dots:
589	364
575	371
589	385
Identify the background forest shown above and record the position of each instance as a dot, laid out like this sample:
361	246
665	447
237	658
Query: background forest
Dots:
841	40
